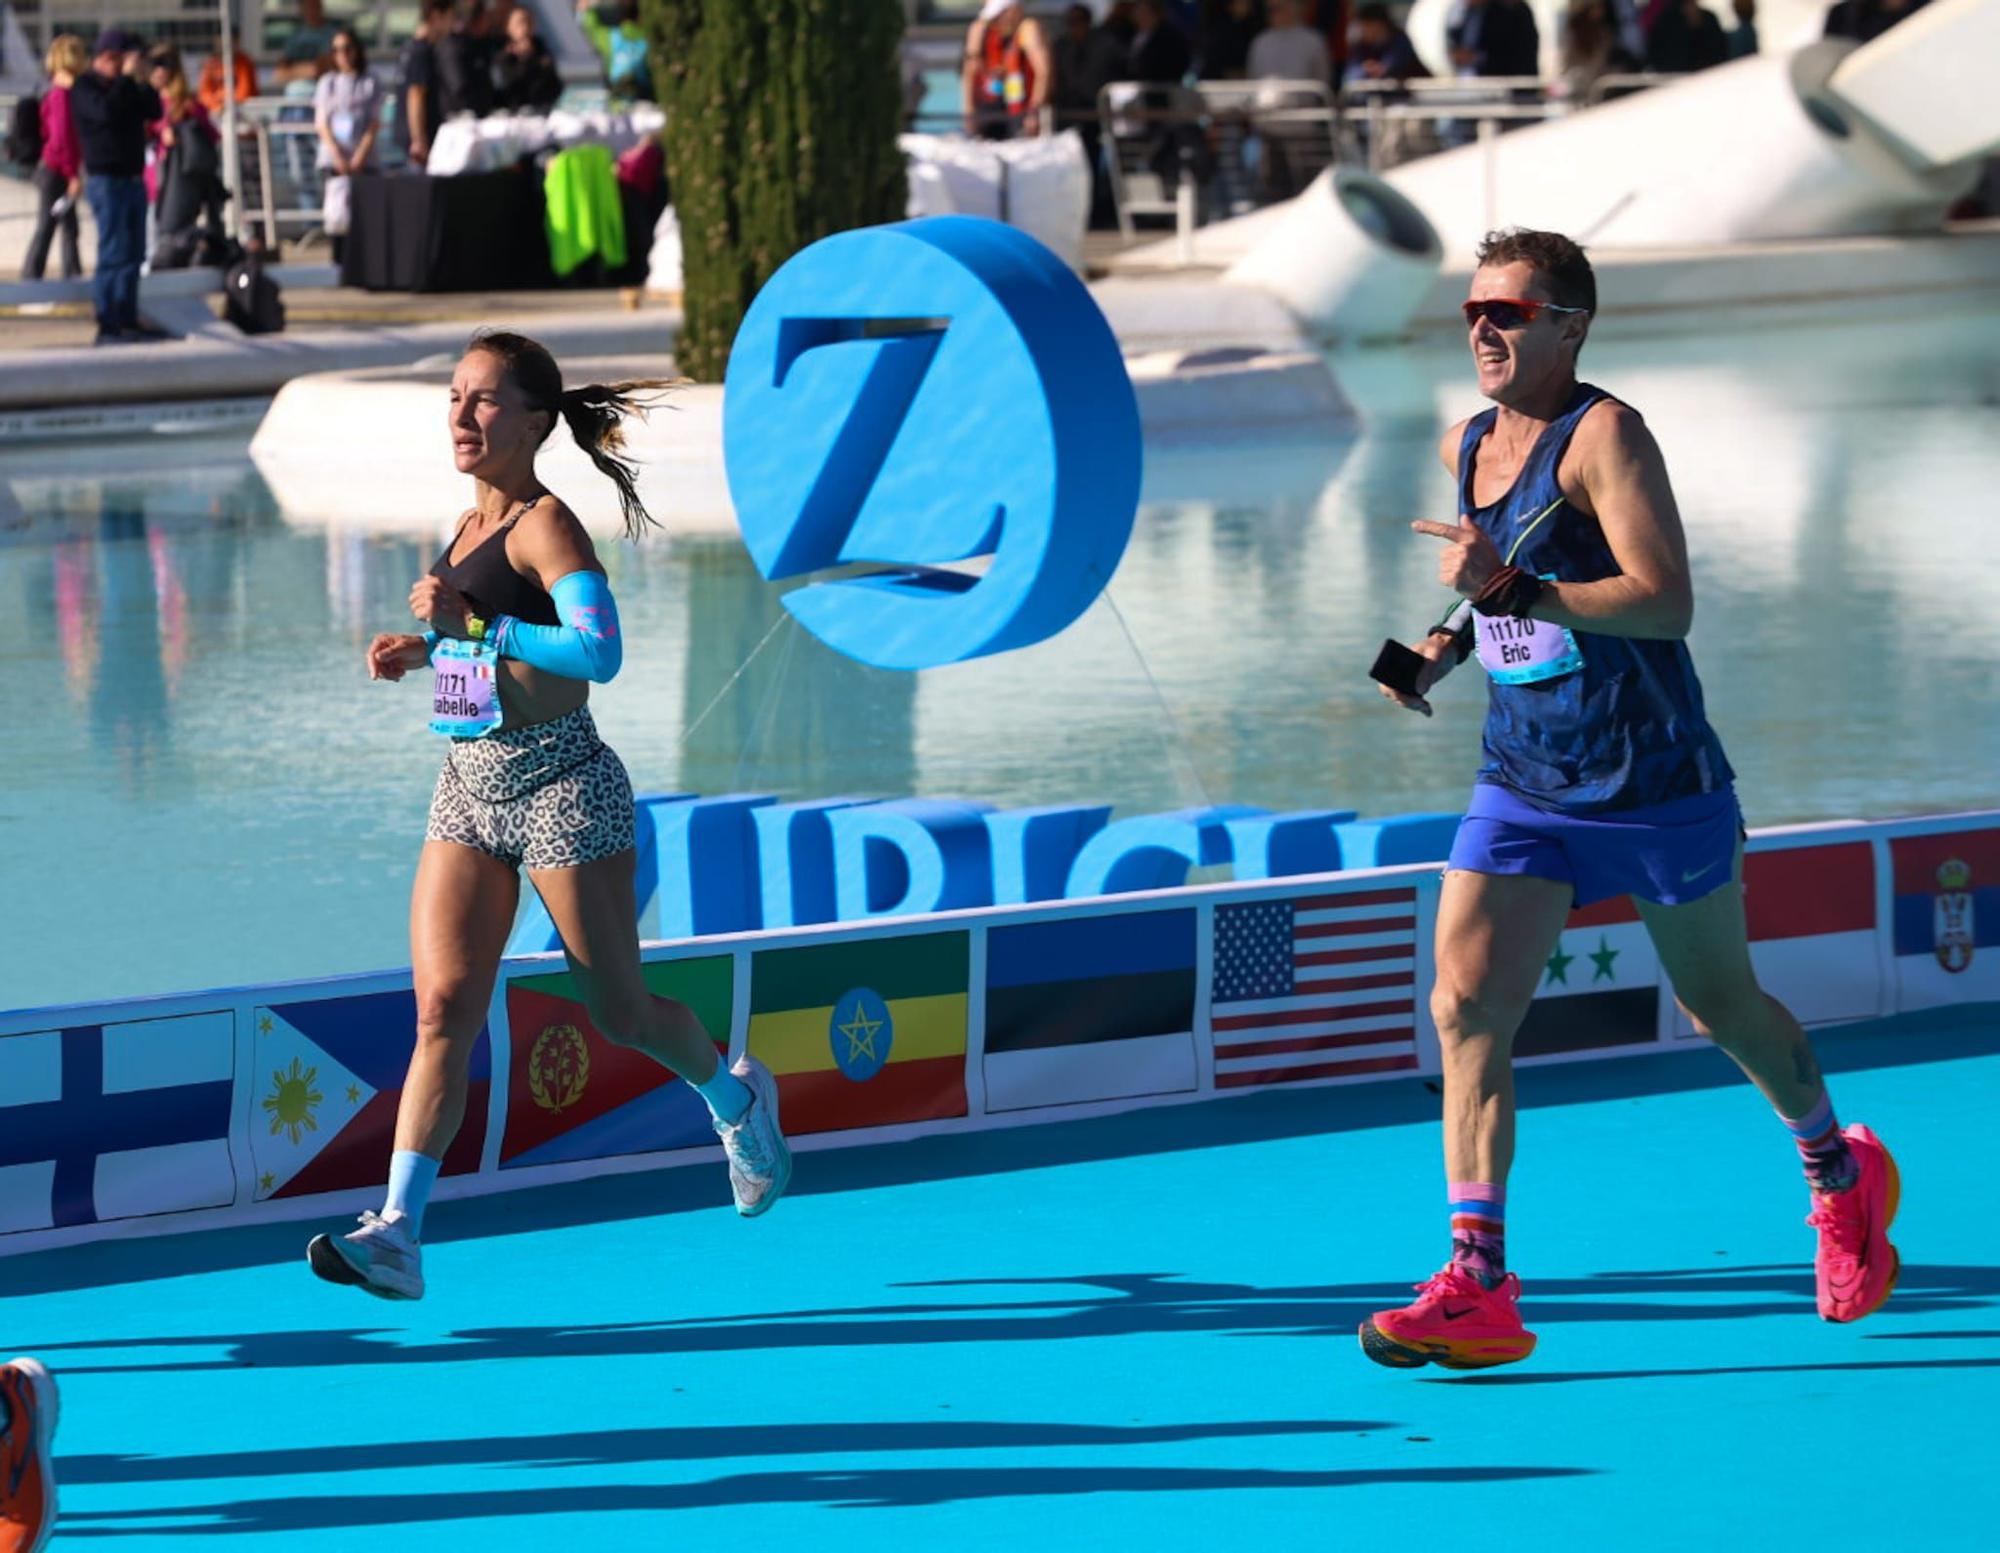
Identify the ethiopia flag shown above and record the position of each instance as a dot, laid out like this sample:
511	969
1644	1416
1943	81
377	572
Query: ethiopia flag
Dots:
573	1095
864	1033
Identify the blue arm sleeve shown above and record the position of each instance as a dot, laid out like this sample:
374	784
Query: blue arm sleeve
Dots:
585	646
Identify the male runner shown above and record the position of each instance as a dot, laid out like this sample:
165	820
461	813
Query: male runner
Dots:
1601	778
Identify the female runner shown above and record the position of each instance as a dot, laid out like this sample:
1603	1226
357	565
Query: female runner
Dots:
521	624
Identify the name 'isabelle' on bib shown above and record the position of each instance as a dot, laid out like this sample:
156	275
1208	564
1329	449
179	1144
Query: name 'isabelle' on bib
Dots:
465	690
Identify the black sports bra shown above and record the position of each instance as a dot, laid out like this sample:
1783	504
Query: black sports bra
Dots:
491	583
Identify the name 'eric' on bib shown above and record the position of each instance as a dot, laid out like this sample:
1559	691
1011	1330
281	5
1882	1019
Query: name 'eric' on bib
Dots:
1524	652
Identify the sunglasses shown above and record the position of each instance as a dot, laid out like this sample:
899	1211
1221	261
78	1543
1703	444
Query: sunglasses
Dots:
1511	312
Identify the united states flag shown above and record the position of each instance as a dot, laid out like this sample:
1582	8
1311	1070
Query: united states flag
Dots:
1318	987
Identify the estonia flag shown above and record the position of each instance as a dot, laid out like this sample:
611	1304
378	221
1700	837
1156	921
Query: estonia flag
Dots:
1090	1008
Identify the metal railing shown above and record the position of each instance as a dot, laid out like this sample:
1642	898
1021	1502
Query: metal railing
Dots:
1213	150
283	185
1386	123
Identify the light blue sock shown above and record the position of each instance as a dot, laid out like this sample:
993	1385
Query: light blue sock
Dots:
411	1177
727	1096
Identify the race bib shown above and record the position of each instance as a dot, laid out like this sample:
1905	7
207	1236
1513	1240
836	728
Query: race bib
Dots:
1525	652
465	689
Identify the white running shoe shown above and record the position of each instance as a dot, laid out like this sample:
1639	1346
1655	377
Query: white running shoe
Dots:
380	1257
760	1161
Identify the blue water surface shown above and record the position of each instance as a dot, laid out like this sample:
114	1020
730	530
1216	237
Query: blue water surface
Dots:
199	786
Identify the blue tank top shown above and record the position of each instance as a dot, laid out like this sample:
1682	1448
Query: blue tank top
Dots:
1628	728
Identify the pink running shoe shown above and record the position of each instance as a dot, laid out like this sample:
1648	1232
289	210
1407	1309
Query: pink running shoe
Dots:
1855	1268
1457	1322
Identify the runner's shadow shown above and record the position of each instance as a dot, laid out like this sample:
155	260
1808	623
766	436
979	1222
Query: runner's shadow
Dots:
708	1442
886	1489
1106	1305
1834	1367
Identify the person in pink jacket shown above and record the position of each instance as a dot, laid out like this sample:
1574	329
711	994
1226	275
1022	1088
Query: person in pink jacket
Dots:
59	173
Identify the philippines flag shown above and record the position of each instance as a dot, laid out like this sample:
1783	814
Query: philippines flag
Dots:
1947	904
324	1090
1320	986
116	1121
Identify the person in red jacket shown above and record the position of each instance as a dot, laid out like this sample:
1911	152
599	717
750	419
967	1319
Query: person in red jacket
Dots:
59	173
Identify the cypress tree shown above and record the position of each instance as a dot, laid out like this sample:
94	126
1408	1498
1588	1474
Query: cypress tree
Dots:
782	118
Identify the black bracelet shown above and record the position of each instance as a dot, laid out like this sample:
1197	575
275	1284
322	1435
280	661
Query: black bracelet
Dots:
1461	639
1509	591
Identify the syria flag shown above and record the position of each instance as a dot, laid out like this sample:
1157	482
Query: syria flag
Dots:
1600	989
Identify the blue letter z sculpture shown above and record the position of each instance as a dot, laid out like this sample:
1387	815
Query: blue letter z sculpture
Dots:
922	393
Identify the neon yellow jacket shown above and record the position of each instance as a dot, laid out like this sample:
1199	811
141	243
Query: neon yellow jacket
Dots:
585	218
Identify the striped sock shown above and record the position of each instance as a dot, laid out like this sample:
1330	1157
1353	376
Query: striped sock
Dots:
1829	1162
1479	1229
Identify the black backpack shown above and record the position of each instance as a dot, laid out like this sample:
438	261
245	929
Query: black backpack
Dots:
24	135
252	301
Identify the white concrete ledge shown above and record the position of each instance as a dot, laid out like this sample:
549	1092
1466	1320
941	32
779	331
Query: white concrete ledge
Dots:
1190	404
221	363
167	284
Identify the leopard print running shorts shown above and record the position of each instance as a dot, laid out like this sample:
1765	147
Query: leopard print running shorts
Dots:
551	795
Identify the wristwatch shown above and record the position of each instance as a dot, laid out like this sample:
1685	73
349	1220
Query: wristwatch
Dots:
475	628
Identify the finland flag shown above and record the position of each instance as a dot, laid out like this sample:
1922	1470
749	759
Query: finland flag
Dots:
116	1121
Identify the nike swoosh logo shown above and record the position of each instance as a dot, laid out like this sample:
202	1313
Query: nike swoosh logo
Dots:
1455	1315
1690	878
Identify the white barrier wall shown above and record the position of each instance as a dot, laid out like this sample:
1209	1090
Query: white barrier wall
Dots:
155	1115
1754	150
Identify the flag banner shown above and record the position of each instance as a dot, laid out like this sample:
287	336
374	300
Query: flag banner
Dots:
572	1094
1090	1008
1811	915
1315	987
863	1033
326	1082
1947	922
116	1121
1600	989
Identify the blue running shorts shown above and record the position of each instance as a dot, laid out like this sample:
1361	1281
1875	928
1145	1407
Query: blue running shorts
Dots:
1671	853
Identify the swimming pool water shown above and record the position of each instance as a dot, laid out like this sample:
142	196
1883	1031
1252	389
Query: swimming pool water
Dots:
199	786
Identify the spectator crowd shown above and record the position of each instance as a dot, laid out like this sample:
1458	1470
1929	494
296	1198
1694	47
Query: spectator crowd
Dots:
137	134
1013	68
130	131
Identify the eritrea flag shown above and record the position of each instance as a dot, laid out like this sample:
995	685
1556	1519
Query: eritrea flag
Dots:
572	1094
326	1081
864	1033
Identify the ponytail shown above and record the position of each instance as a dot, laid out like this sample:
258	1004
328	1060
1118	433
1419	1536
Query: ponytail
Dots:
595	415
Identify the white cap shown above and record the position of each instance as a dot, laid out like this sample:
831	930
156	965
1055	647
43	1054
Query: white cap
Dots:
993	8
